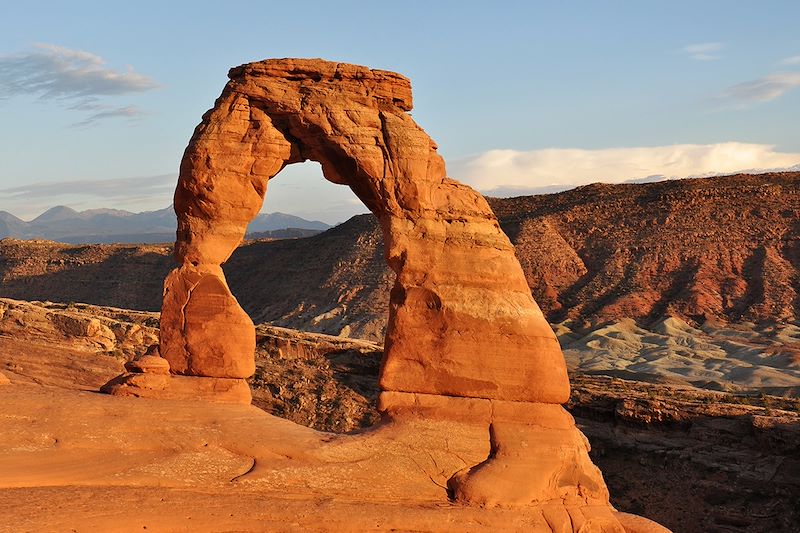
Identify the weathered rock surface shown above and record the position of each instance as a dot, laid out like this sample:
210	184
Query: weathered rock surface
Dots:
716	248
122	333
123	276
463	329
742	357
74	460
461	318
695	461
536	452
204	332
148	364
692	460
69	346
187	388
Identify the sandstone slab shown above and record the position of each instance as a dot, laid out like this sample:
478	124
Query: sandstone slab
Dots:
175	387
77	460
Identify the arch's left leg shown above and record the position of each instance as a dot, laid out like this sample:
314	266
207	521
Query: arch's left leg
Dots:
207	341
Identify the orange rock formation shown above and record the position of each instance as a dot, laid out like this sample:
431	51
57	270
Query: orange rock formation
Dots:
462	321
465	340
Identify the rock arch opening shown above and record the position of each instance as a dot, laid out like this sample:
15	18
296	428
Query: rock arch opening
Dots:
301	190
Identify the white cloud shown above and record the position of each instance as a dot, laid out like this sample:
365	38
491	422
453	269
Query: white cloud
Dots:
105	112
74	78
703	51
762	89
513	172
794	60
57	72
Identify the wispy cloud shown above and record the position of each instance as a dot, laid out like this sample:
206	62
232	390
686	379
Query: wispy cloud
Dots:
760	90
105	112
75	78
57	72
513	172
111	188
704	51
793	60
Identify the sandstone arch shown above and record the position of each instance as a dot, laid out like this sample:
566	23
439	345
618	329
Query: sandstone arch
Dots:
462	321
466	345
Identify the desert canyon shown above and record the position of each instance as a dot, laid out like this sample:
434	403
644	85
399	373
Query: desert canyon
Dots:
428	391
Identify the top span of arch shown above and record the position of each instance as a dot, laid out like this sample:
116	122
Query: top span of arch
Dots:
380	84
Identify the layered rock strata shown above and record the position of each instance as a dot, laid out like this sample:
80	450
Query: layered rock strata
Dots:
464	336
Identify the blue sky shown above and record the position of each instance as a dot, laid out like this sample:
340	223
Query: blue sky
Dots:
520	96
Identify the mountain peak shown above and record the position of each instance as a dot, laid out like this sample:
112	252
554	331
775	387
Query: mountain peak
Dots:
5	216
88	213
54	214
62	223
276	221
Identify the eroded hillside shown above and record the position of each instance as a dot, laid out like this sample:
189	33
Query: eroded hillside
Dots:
726	247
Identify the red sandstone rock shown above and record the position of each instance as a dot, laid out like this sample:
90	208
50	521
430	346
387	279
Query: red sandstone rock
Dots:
537	454
461	321
530	465
465	342
166	387
204	332
148	364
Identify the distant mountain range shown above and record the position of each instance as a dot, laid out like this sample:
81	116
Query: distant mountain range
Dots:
64	224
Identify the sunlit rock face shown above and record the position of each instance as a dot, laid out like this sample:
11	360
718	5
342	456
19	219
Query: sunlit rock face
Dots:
461	321
465	342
